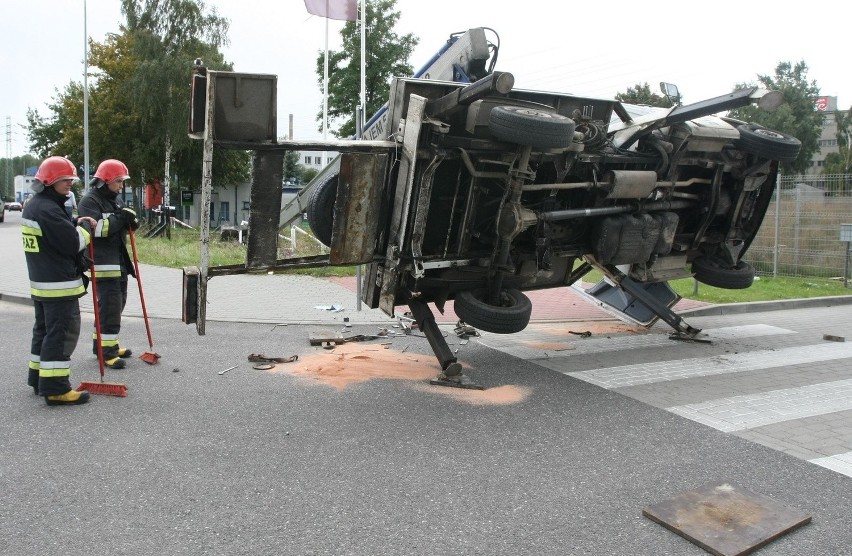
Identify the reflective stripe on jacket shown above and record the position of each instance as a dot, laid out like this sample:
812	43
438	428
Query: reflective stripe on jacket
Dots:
112	261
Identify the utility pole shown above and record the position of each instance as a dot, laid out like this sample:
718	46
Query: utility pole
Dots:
8	156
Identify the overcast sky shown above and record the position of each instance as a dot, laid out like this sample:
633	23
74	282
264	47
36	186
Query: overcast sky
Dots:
594	48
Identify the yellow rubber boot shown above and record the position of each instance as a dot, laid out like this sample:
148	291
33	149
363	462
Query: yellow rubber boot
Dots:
71	397
115	363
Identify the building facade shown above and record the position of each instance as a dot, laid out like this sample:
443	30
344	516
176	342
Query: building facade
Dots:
828	136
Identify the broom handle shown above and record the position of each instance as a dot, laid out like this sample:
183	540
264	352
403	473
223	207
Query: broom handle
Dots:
96	309
139	283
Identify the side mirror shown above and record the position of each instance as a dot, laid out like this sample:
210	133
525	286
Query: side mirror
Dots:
670	92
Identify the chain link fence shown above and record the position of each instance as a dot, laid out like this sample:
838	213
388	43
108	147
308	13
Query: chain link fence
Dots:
800	235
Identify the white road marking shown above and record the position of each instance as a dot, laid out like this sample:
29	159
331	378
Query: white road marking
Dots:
647	373
766	408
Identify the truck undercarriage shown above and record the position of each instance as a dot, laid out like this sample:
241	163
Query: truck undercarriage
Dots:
480	191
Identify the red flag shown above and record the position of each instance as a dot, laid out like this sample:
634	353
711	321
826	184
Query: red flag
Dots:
345	10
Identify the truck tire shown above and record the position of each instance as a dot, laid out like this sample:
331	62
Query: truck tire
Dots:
708	272
767	143
531	126
321	209
513	315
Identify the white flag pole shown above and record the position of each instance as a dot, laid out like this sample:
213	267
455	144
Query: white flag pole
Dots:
85	100
325	90
362	112
363	97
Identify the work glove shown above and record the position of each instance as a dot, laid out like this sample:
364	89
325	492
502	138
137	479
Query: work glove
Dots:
130	219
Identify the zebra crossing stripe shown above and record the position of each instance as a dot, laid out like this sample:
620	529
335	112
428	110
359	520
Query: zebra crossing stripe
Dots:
842	463
648	373
766	408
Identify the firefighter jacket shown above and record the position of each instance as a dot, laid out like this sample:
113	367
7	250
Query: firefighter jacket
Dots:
110	235
53	248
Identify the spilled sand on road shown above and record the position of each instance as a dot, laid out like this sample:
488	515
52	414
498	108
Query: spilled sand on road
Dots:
577	330
596	328
349	364
548	346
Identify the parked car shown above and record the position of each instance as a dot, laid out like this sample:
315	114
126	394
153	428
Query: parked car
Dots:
14	206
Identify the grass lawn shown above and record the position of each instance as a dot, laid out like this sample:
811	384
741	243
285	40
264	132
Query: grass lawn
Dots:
183	250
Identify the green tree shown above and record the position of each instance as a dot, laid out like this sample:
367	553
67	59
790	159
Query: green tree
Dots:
307	174
9	168
167	37
138	109
62	133
841	161
641	94
291	165
797	116
386	56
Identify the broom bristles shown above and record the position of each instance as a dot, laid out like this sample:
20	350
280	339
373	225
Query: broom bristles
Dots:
104	388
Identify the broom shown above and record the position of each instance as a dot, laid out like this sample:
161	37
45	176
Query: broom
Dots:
102	388
149	357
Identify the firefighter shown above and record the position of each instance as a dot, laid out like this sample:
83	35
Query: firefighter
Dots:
53	246
112	263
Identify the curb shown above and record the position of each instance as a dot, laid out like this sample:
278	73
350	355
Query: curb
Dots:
761	306
709	310
19	299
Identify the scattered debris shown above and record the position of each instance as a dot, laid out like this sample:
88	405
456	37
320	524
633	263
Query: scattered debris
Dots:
228	369
832	338
586	334
332	308
406	322
687	338
325	337
465	331
261	358
386	333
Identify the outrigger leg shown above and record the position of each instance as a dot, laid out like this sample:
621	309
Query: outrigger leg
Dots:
451	374
683	331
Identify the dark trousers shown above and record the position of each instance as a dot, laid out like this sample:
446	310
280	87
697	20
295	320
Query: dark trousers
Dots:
55	334
112	297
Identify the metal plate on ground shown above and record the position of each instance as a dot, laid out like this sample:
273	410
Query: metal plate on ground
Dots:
324	337
726	519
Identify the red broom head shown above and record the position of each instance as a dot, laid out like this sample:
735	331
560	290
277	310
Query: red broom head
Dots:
104	388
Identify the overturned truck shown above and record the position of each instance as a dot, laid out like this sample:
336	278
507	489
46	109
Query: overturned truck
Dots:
477	192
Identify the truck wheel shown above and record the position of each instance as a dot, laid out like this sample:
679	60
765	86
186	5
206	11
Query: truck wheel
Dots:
530	126
707	271
321	209
513	314
767	143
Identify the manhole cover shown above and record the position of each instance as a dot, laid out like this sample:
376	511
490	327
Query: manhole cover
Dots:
726	519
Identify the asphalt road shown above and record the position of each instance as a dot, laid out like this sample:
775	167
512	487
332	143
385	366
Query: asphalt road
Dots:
351	451
302	459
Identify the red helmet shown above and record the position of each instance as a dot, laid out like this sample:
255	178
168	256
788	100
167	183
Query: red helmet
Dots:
111	170
54	169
